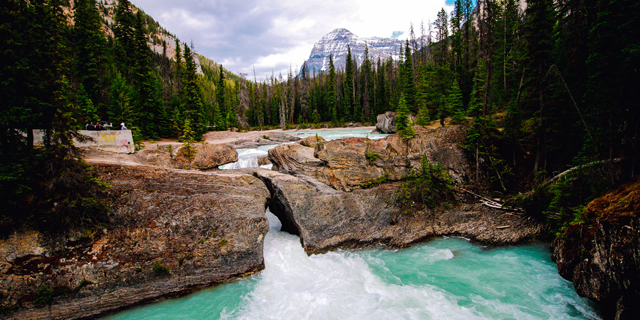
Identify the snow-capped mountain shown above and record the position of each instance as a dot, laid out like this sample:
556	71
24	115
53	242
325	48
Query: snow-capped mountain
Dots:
336	42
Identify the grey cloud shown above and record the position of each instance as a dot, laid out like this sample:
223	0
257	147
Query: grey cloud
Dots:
244	31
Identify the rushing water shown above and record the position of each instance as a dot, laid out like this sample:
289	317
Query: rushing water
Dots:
448	278
248	158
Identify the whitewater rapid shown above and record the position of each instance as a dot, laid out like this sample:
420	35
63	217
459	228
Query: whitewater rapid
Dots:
447	278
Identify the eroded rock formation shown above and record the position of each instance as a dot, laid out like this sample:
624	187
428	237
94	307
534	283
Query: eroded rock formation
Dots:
205	157
601	255
347	163
171	232
327	219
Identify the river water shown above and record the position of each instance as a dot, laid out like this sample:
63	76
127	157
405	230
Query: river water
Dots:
447	278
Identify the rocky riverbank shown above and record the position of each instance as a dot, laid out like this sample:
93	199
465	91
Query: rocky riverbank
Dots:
171	232
601	254
328	219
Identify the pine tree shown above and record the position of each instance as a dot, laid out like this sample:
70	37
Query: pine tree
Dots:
89	112
124	36
121	107
91	47
404	127
409	86
538	31
192	95
367	82
220	99
454	104
348	101
331	93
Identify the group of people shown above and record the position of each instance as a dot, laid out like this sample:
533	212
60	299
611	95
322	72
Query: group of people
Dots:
102	125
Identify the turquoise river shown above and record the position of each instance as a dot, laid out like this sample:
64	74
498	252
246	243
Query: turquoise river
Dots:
446	278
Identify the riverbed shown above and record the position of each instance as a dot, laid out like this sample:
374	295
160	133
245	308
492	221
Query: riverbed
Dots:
447	278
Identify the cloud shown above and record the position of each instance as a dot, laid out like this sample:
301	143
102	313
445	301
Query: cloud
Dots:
274	35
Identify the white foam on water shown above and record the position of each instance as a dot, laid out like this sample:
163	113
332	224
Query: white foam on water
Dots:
338	134
337	285
443	279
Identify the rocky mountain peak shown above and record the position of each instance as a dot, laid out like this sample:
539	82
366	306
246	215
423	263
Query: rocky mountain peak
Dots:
336	44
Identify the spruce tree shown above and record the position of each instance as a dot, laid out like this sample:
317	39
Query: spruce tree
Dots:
409	89
192	95
454	104
220	99
90	47
331	92
404	127
348	100
123	31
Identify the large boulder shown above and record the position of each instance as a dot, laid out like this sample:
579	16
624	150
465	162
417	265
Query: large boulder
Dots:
327	219
268	138
346	164
291	158
170	232
387	122
205	156
211	156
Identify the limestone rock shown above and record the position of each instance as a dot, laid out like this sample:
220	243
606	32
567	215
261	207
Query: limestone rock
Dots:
387	122
292	158
347	163
155	157
602	254
210	156
312	141
327	219
206	157
270	138
206	227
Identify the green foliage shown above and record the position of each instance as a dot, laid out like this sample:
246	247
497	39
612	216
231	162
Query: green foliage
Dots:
44	296
561	203
482	141
159	269
429	187
404	127
375	182
454	104
188	136
372	156
423	116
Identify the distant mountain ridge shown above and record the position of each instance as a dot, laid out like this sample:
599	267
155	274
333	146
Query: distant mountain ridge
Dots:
336	42
156	33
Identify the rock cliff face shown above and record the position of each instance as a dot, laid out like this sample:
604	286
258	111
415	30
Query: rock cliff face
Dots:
602	254
171	232
347	163
327	219
206	157
336	43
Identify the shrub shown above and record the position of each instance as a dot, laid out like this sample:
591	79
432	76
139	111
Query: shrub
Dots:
375	182
44	296
372	156
159	269
429	187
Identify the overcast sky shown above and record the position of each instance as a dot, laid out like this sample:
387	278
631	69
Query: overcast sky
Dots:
273	35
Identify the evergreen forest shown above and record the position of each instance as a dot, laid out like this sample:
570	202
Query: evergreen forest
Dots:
542	89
